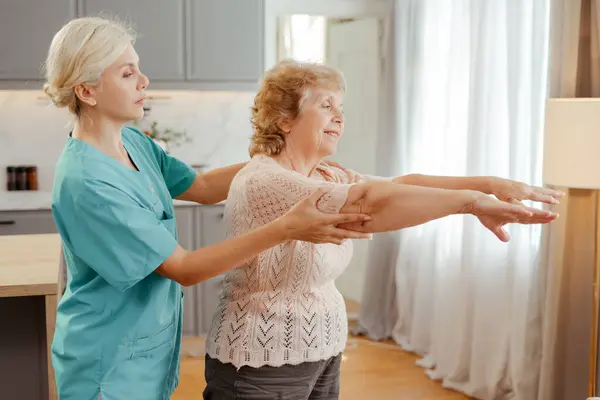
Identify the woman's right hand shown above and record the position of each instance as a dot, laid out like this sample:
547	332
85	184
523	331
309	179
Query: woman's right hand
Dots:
494	214
305	222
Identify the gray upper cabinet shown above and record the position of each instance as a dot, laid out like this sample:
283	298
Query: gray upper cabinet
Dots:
26	31
225	40
182	44
159	25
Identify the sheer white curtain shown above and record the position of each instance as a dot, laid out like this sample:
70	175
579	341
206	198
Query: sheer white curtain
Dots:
470	92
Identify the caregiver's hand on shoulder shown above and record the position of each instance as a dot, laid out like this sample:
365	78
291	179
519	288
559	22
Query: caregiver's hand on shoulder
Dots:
494	214
353	177
508	190
305	222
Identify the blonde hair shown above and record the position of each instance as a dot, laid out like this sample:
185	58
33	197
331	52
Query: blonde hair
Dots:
283	91
79	53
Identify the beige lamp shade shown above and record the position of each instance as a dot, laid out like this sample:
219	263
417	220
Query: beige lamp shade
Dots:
572	143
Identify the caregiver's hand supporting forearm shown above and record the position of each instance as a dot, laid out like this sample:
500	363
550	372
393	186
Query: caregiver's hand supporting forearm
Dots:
504	189
303	222
396	206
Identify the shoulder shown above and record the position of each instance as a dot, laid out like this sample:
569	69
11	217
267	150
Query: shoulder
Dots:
133	134
263	170
89	187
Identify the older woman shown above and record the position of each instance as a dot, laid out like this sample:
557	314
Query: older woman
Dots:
281	324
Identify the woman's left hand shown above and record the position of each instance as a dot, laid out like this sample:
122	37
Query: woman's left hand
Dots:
508	190
352	176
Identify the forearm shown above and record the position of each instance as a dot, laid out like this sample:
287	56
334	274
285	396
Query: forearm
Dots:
213	186
191	267
397	206
479	183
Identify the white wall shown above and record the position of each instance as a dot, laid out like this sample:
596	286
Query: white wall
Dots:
34	132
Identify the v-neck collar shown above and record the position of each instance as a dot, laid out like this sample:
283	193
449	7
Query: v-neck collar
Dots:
100	154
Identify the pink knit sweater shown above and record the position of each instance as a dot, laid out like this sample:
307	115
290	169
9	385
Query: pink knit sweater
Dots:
281	307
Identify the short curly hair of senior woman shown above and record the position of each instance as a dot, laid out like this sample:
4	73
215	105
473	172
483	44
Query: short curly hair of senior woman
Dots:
285	88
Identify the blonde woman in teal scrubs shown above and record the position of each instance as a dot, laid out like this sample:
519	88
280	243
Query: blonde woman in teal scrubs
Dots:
118	328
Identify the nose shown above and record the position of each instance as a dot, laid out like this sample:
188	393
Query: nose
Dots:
143	82
338	118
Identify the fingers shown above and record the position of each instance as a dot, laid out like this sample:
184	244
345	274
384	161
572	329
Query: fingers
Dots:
346	234
327	172
516	209
545	195
539	216
501	233
543	198
338	219
538	219
315	196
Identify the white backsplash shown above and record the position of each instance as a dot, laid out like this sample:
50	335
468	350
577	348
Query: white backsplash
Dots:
32	132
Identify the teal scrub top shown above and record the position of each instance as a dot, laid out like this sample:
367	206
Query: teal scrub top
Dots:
118	327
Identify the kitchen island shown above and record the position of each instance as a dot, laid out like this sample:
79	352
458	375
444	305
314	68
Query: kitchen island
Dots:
28	295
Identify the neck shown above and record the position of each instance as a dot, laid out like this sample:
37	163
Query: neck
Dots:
100	132
296	161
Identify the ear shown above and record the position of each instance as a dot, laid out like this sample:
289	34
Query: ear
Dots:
285	125
85	94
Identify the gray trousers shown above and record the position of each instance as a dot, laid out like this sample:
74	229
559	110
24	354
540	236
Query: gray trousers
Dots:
307	381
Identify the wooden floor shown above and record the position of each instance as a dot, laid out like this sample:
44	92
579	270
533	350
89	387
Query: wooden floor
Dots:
377	371
370	370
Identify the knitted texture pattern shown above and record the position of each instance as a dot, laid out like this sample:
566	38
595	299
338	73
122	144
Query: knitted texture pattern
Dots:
281	307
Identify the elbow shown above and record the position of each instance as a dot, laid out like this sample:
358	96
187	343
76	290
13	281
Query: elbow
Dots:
185	282
174	268
410	179
178	277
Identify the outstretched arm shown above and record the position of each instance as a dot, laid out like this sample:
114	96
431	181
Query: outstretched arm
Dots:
395	206
504	189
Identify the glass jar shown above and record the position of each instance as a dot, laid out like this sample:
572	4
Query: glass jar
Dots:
32	178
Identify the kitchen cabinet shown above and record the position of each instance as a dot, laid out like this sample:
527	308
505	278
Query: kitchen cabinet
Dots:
212	230
201	300
26	222
186	230
182	44
160	26
26	30
225	40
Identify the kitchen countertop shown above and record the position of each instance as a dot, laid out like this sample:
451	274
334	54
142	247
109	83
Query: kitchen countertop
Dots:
29	265
35	200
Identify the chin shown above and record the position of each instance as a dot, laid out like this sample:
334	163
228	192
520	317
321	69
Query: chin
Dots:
135	115
324	153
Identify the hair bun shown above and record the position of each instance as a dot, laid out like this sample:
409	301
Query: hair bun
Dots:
51	93
61	98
